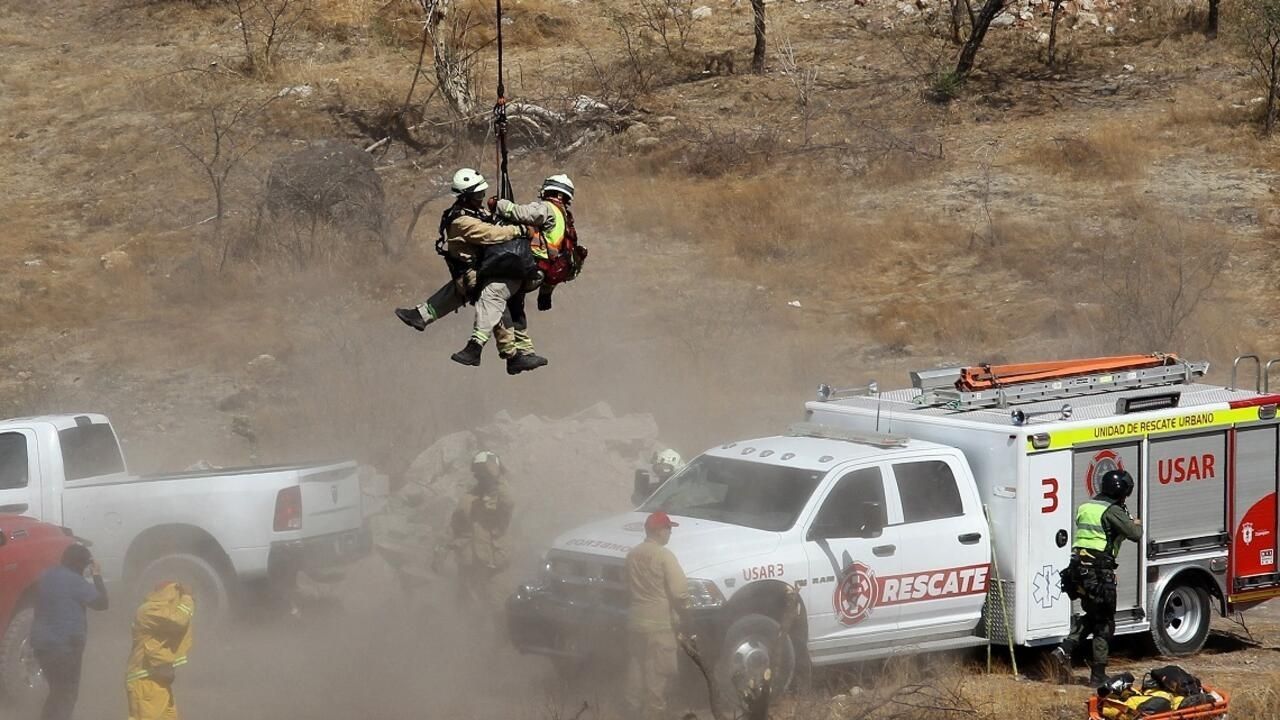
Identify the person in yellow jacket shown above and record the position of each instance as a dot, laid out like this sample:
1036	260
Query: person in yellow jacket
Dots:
161	641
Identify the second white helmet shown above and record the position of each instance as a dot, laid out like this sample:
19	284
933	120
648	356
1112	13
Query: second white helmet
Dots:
558	183
467	181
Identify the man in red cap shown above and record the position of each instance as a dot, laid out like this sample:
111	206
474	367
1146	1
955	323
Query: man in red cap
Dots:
659	600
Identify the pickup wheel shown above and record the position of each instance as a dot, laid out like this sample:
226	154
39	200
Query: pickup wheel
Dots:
1181	622
20	681
207	585
749	645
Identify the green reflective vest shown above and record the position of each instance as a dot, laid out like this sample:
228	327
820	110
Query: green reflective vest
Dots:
1090	534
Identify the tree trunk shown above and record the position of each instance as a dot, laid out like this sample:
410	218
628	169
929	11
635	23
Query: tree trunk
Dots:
1211	23
990	9
1273	87
757	53
1053	33
450	63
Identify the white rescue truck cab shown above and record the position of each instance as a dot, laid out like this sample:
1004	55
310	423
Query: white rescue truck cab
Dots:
891	514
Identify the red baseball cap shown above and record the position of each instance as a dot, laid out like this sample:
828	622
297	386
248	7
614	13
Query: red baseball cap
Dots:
659	520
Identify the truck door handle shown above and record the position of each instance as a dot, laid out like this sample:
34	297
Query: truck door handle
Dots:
884	550
970	538
16	508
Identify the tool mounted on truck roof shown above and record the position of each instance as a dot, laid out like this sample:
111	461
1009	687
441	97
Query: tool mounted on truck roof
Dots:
986	386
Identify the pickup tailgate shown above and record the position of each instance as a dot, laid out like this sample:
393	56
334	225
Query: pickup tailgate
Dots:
330	499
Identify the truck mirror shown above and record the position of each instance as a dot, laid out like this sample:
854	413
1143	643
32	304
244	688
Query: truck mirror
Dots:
872	520
4	537
642	487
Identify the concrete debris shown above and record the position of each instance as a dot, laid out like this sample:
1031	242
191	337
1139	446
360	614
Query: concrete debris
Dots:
794	304
1003	20
37	262
1129	68
544	459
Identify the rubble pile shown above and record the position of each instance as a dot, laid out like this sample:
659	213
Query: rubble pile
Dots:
561	473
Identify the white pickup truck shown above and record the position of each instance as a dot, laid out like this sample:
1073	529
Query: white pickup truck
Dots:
875	511
222	531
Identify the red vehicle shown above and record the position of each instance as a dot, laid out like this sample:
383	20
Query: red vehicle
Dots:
27	548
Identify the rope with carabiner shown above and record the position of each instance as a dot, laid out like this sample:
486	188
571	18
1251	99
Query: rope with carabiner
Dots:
500	122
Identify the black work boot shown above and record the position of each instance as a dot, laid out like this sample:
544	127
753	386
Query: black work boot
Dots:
1097	675
412	318
1060	661
469	355
521	362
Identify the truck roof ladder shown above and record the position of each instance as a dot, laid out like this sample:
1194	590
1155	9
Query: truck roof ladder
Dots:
986	386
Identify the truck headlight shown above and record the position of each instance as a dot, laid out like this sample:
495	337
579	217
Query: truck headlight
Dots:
704	594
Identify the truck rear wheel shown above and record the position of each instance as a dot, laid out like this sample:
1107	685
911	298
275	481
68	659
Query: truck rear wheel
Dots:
208	588
1181	622
748	649
20	681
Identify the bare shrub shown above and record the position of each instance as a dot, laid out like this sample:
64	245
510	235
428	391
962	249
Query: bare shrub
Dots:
266	26
670	20
1260	35
1158	277
803	80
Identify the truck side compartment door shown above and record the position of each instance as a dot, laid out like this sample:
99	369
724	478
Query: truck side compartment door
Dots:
1049	522
1254	528
1088	466
19	474
945	556
850	545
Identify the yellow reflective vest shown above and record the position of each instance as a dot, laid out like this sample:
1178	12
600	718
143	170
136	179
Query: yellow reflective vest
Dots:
1090	534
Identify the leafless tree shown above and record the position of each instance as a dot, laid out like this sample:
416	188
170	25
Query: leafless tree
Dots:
1160	276
218	140
455	64
979	23
1051	56
265	26
1211	22
1260	30
757	25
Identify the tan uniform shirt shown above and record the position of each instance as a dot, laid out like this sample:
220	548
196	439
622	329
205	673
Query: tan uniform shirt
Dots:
537	213
479	524
657	585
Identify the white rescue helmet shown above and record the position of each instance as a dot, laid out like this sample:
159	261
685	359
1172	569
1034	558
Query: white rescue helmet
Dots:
558	183
467	181
487	462
666	463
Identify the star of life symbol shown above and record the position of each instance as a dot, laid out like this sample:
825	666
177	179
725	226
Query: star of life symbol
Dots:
1044	588
1247	531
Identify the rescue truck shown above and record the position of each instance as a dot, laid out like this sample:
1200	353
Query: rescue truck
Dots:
940	516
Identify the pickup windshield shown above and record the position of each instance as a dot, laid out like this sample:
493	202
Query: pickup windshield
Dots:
739	492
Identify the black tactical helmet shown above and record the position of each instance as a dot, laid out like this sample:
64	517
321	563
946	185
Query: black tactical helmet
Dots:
1117	484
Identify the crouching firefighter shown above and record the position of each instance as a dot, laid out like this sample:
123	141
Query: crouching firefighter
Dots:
1102	525
161	641
477	252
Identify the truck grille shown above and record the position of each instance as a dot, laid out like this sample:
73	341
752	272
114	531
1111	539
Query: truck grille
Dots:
587	580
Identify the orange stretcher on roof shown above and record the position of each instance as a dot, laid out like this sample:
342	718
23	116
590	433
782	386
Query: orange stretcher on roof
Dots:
986	377
1098	709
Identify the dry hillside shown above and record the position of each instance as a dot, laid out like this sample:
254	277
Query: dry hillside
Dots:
751	234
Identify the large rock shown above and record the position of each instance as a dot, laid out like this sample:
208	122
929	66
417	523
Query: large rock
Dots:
561	473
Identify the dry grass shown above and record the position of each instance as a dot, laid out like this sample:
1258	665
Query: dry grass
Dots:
1114	151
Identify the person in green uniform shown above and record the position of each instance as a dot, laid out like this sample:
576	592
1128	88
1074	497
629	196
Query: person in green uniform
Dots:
1102	525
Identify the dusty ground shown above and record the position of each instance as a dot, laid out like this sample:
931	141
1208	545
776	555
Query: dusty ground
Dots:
1035	216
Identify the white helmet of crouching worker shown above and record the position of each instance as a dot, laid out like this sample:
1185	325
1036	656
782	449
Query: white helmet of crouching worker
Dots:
666	463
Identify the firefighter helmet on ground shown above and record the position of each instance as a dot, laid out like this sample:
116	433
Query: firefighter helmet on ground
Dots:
1117	484
559	184
467	181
